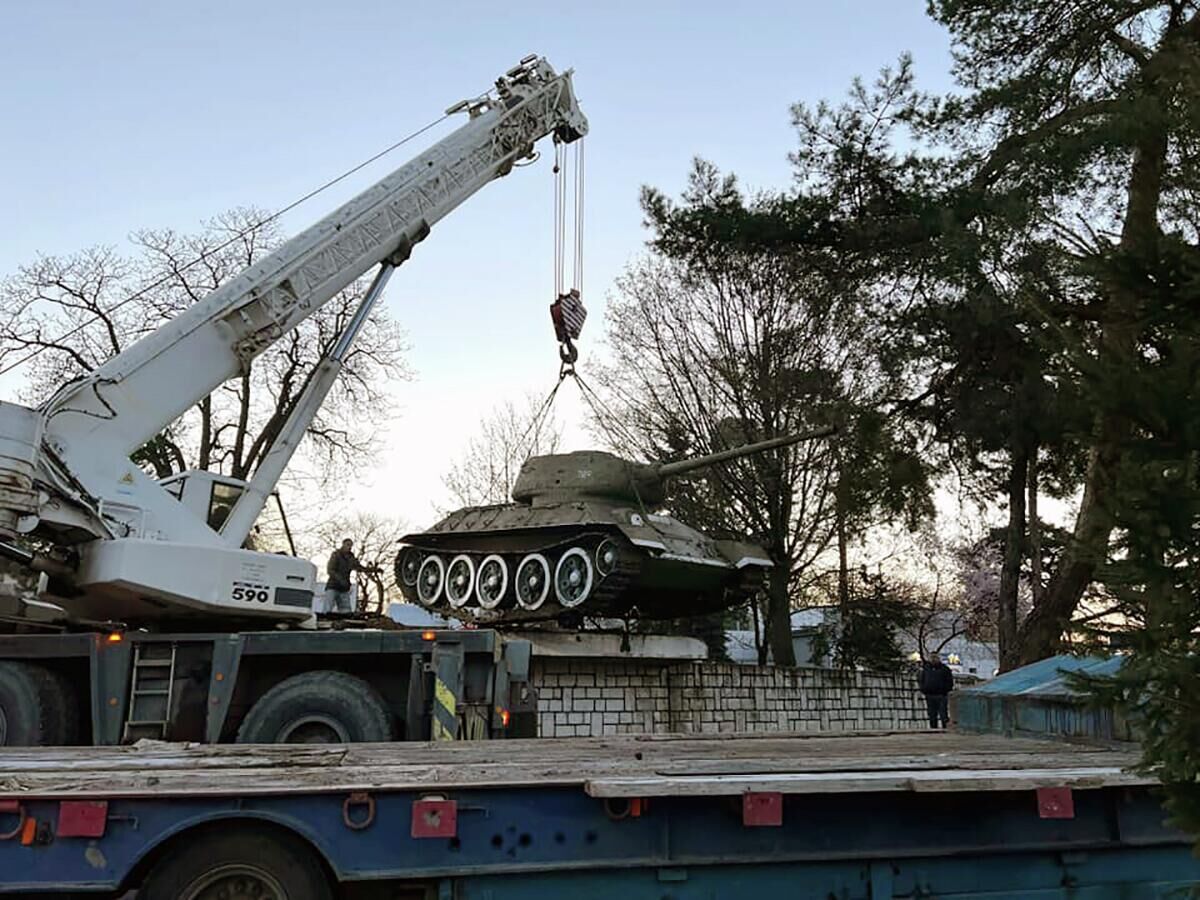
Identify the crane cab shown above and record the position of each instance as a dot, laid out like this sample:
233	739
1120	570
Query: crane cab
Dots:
208	495
211	497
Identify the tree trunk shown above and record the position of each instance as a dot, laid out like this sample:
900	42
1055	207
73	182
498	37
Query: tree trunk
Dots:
1035	530
204	461
779	616
760	644
1010	571
241	465
1041	633
843	566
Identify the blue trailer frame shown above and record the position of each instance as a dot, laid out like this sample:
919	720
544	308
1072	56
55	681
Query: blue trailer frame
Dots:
702	835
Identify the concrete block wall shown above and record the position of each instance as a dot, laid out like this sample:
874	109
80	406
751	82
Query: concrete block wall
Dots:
584	697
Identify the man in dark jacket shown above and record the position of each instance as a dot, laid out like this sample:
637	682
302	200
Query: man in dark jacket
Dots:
342	564
936	682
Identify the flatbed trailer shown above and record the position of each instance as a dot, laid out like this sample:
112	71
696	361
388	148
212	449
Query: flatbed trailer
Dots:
868	815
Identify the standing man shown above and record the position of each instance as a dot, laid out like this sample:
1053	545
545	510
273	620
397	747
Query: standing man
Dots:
936	682
342	563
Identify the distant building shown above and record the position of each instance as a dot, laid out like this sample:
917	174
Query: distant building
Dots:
980	659
806	624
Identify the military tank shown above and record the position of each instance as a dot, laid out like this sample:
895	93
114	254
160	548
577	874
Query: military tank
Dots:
582	537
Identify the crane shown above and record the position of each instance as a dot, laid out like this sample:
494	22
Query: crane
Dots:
123	546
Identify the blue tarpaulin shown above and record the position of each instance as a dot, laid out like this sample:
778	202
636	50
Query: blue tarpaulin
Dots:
1037	700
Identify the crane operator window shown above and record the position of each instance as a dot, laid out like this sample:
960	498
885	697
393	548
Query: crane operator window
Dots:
224	496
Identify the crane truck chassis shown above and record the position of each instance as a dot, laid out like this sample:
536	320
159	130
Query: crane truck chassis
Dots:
263	687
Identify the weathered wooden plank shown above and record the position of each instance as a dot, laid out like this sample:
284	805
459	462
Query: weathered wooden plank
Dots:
864	782
721	747
882	758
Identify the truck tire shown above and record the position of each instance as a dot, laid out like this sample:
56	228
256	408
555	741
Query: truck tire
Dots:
34	709
66	710
318	708
237	863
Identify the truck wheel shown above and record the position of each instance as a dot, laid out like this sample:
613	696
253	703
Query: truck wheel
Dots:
34	711
237	864
318	708
66	710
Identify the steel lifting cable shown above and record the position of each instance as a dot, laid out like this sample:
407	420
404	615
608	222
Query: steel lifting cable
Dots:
561	177
567	310
602	413
578	274
560	216
566	368
539	418
599	409
234	239
590	397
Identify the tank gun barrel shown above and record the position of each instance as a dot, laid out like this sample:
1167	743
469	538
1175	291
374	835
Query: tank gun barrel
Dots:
666	470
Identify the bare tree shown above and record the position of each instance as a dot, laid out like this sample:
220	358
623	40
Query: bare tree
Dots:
375	538
76	312
713	354
488	467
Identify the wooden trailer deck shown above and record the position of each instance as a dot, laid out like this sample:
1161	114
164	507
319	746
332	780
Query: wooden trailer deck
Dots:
853	816
622	766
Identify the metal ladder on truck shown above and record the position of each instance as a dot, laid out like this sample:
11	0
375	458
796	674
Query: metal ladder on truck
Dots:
151	690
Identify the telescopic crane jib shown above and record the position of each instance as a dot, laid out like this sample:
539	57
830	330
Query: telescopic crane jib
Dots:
129	548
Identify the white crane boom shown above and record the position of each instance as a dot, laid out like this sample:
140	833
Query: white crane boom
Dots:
65	472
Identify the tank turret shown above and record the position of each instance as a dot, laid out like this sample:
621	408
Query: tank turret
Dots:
545	480
584	535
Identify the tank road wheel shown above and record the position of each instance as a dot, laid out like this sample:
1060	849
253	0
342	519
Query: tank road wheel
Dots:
573	577
606	557
318	708
408	566
431	578
35	710
532	581
491	581
460	580
237	864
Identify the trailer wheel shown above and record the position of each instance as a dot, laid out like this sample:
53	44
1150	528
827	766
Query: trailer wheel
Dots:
34	708
318	708
237	864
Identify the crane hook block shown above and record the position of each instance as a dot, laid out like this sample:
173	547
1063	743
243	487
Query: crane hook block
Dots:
568	315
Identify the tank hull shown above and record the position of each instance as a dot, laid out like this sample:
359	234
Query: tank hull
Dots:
571	559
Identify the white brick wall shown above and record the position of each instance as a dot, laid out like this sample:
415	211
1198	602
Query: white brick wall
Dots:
593	697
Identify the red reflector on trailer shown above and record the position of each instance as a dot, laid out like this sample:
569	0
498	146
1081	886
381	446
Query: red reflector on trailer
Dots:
82	818
1055	803
10	806
435	818
762	809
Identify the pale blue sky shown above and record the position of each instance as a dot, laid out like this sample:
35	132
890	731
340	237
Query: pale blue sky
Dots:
126	115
